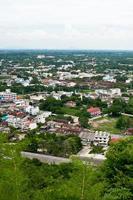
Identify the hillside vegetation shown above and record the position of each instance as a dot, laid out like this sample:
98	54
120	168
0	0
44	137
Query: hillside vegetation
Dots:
23	179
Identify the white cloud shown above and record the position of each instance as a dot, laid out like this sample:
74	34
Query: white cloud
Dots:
66	23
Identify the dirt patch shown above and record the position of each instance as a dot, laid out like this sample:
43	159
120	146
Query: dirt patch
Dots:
96	124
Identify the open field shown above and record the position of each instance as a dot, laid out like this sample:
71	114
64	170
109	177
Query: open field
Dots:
70	111
106	124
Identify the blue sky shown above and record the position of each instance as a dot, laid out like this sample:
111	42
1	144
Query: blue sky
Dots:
66	24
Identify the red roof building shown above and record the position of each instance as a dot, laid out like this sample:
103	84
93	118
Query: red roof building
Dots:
94	111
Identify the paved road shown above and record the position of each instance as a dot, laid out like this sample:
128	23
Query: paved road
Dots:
98	117
125	114
58	160
90	158
45	158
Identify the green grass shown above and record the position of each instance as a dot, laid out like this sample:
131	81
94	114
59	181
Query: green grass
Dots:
109	126
87	91
70	111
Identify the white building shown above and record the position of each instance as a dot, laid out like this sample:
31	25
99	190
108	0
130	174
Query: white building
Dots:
23	124
109	78
71	84
8	96
110	92
41	56
115	91
32	110
37	97
129	80
21	103
32	125
41	118
101	138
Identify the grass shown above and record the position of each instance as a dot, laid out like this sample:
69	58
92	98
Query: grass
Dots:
70	111
87	91
109	126
97	150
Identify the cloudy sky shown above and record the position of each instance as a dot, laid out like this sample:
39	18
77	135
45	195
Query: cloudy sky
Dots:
66	24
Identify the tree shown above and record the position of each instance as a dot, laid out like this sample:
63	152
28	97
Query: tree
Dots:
118	168
83	121
123	123
12	178
117	107
118	194
51	104
84	118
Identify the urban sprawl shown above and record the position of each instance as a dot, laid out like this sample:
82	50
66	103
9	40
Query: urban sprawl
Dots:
71	102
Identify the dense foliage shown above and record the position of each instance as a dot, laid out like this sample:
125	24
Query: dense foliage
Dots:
25	179
52	144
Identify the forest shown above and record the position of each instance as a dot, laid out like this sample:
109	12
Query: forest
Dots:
24	179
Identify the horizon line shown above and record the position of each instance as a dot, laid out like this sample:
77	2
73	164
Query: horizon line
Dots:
60	49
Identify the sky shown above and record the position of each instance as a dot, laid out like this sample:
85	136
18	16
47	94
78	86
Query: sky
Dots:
66	24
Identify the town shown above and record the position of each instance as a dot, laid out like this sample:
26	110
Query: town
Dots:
66	100
81	100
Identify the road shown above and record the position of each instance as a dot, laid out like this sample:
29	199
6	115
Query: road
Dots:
98	117
45	158
125	114
93	159
85	156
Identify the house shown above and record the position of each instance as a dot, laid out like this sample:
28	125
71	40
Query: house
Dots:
113	92
87	137
97	138
69	129
8	96
41	118
109	78
129	80
70	84
63	127
71	104
101	138
32	110
23	123
94	111
21	103
37	98
91	95
32	125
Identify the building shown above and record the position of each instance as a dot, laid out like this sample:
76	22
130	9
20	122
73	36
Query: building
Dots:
32	110
109	78
101	138
71	104
113	92
37	98
97	138
21	123
8	96
87	137
21	103
63	127
41	118
94	111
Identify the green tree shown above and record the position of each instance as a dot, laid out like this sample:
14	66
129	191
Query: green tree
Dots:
117	107
123	123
